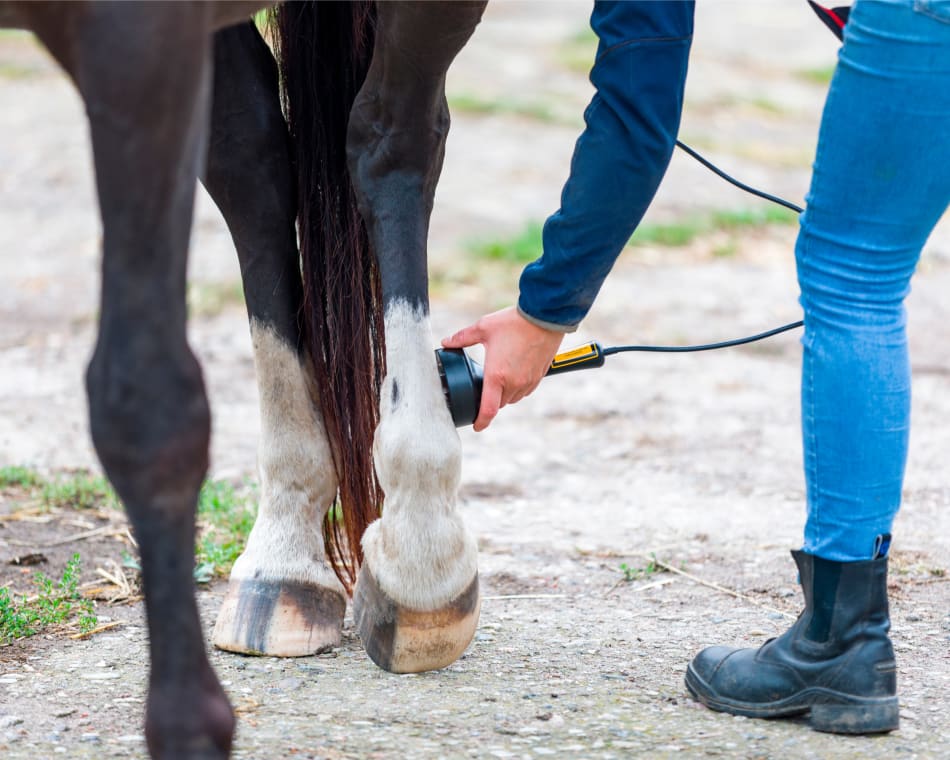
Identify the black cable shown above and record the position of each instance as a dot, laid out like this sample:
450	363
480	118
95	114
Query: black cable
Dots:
733	181
703	346
726	343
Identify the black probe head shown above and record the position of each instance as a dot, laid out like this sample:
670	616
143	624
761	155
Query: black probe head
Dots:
461	383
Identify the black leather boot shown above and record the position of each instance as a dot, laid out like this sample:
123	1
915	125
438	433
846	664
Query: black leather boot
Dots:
836	662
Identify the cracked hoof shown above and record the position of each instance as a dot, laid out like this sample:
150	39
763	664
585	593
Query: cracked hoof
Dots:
279	619
403	640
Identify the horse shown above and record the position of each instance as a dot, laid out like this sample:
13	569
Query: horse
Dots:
324	172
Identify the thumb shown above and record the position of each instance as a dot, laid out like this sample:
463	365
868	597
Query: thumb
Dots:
467	336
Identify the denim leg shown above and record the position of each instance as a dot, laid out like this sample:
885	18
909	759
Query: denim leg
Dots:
881	181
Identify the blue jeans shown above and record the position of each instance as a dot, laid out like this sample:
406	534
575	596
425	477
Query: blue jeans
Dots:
881	181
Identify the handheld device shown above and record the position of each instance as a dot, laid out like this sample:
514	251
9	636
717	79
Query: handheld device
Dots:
462	376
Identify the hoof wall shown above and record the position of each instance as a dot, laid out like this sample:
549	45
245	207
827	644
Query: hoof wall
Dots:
279	619
403	640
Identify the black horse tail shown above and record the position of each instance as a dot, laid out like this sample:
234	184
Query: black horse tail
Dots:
323	51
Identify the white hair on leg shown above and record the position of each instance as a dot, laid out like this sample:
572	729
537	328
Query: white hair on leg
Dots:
420	552
298	481
283	597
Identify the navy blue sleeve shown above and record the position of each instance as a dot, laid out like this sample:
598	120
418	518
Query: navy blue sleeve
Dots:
619	159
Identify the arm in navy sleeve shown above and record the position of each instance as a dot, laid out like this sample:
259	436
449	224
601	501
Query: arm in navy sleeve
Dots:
619	159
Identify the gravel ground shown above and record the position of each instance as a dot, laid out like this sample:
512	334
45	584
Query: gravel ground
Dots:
695	459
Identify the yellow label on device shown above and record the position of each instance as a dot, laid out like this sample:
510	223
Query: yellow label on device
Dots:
575	355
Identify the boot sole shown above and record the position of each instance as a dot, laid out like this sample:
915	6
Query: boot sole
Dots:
828	711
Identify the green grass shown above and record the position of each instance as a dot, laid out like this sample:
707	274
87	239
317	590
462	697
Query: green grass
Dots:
684	231
767	105
226	516
75	490
578	51
670	234
525	246
631	573
80	490
17	71
20	477
208	299
521	248
55	604
225	513
477	105
820	75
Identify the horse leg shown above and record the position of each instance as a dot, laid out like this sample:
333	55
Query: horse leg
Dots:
147	93
283	598
416	602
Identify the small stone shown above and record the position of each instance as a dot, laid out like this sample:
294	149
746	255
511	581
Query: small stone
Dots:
100	675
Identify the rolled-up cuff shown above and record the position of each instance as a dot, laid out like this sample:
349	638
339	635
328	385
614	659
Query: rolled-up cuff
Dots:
547	325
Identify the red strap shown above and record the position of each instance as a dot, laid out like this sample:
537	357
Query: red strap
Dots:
834	18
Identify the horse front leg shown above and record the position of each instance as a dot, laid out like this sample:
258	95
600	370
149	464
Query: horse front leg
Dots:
283	598
417	600
149	414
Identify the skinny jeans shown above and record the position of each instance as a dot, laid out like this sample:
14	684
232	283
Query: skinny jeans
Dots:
881	182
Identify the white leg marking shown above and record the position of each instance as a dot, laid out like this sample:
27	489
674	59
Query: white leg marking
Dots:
298	481
419	551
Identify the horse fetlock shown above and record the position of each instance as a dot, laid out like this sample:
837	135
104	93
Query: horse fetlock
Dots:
427	467
421	558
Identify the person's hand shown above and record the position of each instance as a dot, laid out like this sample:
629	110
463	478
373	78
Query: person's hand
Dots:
517	355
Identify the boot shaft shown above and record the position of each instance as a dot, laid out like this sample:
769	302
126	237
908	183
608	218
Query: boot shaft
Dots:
844	601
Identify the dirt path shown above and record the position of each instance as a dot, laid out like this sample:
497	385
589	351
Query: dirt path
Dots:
695	459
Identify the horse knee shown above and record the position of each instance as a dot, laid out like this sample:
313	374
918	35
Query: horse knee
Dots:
150	424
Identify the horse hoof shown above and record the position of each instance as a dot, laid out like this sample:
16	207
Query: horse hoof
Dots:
403	640
279	618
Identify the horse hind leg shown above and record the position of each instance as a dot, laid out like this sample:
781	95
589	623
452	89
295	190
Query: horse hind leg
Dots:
149	415
417	600
283	598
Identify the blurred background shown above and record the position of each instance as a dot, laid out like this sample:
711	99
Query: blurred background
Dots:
708	263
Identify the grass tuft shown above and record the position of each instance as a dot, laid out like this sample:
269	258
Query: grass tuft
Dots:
578	51
57	604
209	299
80	490
225	518
526	246
684	231
477	105
631	573
19	477
821	75
521	248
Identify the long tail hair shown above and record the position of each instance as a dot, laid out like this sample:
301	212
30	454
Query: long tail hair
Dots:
323	51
